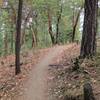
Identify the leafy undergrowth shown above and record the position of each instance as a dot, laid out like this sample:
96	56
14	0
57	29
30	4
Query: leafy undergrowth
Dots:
11	85
66	84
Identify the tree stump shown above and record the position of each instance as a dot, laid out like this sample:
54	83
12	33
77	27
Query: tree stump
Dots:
88	92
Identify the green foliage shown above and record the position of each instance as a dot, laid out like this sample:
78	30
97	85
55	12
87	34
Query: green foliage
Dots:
39	21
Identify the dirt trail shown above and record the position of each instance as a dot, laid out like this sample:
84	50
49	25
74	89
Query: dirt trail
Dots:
36	87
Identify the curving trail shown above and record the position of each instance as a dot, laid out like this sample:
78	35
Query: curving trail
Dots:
36	87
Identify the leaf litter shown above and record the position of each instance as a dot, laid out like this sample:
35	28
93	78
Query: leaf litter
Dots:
10	85
65	84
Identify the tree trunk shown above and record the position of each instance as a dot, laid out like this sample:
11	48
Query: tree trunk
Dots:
58	22
36	31
25	23
12	40
88	92
12	36
75	24
13	21
88	45
50	27
34	36
18	35
6	44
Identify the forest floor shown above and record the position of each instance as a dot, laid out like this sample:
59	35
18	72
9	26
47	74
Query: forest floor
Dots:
36	87
47	75
11	85
66	83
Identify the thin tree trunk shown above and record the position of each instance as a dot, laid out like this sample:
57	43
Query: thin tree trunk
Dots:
75	22
33	40
88	45
36	31
12	39
12	36
18	35
34	36
13	21
58	22
6	44
50	27
23	33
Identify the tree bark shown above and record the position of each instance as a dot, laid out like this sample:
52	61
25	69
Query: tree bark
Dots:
12	40
50	27
58	22
88	44
75	24
6	44
35	30
18	36
34	36
25	23
13	21
88	92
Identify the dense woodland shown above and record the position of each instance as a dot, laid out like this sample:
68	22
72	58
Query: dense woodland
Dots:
31	25
43	23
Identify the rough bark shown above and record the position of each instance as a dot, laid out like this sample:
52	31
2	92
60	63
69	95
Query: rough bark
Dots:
18	36
88	45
